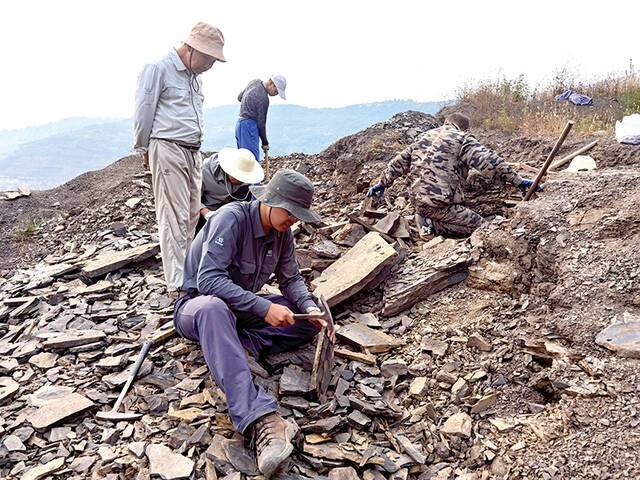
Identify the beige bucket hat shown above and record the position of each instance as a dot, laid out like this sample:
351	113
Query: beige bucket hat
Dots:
241	164
207	39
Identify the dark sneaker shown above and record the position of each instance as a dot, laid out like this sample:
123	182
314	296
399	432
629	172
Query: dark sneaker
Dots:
272	437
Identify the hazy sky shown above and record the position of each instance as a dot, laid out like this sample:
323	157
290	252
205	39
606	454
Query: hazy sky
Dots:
67	58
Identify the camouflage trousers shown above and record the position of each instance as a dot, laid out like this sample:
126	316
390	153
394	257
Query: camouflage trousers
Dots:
453	220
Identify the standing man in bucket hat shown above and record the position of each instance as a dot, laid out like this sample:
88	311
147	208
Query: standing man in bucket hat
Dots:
230	260
168	126
251	127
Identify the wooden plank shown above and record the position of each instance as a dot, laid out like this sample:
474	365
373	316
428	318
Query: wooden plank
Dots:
354	270
357	356
112	261
566	159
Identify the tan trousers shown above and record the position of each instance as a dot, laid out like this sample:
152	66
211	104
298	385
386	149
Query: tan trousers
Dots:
176	173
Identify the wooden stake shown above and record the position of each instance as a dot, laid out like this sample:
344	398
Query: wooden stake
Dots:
564	160
547	163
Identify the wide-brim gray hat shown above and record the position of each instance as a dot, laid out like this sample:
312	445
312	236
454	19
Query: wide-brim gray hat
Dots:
290	190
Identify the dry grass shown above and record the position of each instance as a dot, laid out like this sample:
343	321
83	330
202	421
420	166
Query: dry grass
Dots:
27	229
513	105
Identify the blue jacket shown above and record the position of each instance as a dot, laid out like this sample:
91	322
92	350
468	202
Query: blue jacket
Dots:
232	258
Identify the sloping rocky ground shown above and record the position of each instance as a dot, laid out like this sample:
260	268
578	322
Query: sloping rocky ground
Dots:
496	377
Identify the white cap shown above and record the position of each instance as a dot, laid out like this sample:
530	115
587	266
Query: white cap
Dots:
241	164
281	85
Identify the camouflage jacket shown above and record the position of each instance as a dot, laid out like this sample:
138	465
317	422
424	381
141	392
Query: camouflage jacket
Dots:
438	163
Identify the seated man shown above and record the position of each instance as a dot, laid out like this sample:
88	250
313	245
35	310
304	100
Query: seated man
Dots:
226	177
437	165
229	261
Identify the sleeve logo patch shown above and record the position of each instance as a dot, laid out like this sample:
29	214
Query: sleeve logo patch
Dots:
219	241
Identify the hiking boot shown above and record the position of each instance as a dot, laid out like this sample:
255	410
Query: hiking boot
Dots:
426	229
272	440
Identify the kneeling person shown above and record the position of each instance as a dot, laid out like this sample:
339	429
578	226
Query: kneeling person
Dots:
226	177
437	165
230	260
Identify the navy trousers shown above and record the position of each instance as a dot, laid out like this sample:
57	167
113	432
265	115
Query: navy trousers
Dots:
224	335
247	136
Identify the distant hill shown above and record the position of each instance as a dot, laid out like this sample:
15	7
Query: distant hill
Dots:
45	156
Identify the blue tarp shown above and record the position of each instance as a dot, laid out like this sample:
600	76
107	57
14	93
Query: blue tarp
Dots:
573	97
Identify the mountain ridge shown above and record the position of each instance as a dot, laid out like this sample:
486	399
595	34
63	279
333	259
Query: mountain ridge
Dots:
47	155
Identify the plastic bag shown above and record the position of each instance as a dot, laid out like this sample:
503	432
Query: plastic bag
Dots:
628	130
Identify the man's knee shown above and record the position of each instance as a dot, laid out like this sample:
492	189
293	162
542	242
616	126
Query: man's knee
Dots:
213	311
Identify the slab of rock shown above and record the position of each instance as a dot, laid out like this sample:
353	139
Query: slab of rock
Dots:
418	386
357	356
44	360
133	202
41	471
362	336
13	194
478	341
343	473
82	464
369	319
137	448
13	444
323	425
167	464
425	273
294	381
394	366
410	449
458	424
622	338
74	338
58	410
485	403
332	451
436	347
349	235
326	249
388	223
323	362
354	270
240	457
8	365
99	287
117	379
8	387
112	261
48	393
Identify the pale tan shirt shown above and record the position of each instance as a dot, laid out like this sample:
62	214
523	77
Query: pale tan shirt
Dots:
168	104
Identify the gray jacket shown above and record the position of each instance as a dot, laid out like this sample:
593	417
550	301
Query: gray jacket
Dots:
168	104
217	190
232	258
254	103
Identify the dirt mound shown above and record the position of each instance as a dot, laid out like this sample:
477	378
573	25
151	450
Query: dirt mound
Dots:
349	165
534	150
37	225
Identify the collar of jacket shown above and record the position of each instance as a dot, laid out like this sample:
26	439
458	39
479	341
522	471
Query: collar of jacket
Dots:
177	62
